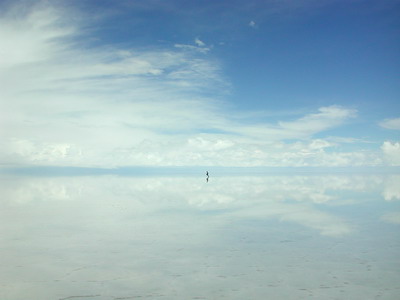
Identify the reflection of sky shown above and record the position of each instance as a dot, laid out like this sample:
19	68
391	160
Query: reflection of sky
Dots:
392	189
112	237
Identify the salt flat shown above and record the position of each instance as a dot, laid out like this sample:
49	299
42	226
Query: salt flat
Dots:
241	237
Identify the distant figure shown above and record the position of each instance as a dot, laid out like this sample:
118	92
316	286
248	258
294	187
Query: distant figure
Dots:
207	174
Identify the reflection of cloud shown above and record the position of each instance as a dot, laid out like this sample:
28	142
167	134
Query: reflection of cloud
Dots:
391	189
115	231
295	199
325	223
25	191
392	217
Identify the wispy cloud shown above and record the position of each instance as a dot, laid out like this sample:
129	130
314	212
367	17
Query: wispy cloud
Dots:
199	42
66	102
199	47
54	89
391	124
253	24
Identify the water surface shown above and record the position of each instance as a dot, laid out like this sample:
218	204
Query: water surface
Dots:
240	237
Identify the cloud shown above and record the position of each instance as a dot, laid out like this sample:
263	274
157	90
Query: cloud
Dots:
393	124
326	118
68	95
199	47
391	152
302	128
67	102
199	42
28	34
253	24
391	191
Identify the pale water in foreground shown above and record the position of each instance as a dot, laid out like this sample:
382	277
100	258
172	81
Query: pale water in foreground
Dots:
256	237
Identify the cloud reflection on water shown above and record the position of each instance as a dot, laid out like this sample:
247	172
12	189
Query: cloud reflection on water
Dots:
182	237
391	190
301	199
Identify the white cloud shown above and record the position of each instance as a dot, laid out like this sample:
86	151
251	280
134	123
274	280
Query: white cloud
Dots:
253	24
31	37
226	151
301	128
68	99
391	191
198	48
391	151
199	42
326	118
391	124
65	102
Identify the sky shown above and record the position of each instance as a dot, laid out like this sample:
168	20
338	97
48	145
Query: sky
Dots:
200	83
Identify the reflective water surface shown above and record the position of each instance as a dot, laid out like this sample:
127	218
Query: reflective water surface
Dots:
255	237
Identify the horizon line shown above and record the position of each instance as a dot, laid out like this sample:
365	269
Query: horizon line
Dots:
176	170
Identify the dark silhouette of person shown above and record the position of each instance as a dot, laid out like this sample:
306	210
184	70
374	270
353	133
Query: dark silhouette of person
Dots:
207	174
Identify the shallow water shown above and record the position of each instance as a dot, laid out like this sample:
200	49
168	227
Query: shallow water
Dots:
255	237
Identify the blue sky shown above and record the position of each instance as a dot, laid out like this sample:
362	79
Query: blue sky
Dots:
200	83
